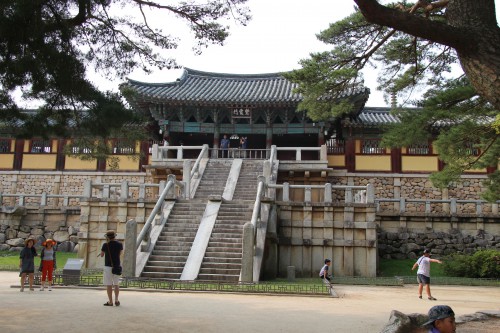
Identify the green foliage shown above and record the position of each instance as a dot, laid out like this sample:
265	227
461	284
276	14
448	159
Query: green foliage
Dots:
11	259
482	264
463	126
402	267
46	48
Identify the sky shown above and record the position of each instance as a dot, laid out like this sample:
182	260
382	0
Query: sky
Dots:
280	33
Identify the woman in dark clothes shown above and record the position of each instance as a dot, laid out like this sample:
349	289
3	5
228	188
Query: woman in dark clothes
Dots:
27	262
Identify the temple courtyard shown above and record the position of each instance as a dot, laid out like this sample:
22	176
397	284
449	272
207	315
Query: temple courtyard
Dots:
360	309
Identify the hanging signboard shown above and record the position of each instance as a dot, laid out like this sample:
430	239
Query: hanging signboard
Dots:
239	113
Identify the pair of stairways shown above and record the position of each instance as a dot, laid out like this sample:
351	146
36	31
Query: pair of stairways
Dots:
202	238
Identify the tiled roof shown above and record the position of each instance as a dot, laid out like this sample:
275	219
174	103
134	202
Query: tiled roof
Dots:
206	88
372	117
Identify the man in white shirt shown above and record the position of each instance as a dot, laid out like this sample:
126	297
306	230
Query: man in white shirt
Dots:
424	273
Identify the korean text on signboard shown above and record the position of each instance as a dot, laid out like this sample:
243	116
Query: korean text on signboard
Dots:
241	113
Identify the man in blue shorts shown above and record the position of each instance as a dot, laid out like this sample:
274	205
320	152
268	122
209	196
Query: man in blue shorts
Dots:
424	273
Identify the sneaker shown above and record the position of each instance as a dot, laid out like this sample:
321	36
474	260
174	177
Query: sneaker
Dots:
22	289
31	289
42	288
50	288
432	298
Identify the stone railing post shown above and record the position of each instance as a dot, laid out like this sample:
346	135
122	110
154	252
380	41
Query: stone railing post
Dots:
186	178
402	205
286	191
87	188
154	152
171	192
453	206
494	208
129	255
105	191
348	195
124	190
142	191
370	193
21	200
43	199
298	154
307	194
247	253
323	156
328	193
179	153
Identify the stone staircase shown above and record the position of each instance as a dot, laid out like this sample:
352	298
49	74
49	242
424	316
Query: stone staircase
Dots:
222	261
174	243
246	187
214	179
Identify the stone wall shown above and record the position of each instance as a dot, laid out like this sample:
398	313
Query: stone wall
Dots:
20	223
406	236
306	235
64	183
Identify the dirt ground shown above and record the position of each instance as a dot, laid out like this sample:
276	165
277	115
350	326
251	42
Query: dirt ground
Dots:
360	309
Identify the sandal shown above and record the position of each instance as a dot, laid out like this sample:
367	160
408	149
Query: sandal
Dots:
420	296
108	304
117	303
432	298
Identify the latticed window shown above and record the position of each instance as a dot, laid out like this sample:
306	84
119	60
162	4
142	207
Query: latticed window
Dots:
4	146
123	147
419	149
335	146
372	147
41	146
469	149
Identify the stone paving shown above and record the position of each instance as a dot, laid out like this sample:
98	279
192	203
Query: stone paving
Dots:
360	309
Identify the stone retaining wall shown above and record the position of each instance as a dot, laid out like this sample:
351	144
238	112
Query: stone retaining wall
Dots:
19	223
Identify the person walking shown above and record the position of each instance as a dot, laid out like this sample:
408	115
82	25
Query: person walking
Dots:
111	251
424	273
27	263
47	262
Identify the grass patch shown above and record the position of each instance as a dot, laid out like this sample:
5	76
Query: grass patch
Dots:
402	267
10	260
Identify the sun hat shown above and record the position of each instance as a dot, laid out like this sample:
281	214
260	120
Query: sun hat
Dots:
427	251
29	239
439	312
110	234
49	241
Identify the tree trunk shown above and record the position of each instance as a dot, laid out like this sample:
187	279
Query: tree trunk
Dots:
481	65
471	30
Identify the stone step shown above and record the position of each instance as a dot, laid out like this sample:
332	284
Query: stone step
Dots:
222	260
220	266
222	254
217	277
225	248
165	256
163	263
163	248
216	239
158	275
178	239
161	269
220	271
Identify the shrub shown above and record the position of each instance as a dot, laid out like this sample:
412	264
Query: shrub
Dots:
482	264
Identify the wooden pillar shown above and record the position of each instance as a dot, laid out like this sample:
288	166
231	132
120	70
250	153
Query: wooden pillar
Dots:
18	155
350	154
396	160
144	151
61	157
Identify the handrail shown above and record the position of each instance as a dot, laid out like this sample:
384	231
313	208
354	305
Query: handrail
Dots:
256	205
196	165
155	211
453	209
